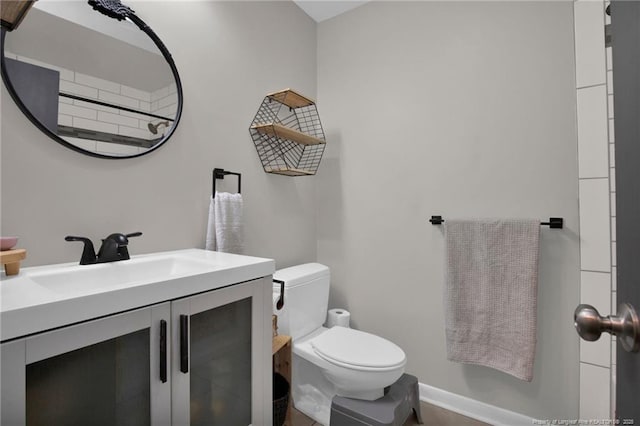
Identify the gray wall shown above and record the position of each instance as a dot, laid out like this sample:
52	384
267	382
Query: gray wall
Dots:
459	109
229	55
463	110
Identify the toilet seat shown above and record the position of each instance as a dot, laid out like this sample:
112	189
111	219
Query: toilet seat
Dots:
358	350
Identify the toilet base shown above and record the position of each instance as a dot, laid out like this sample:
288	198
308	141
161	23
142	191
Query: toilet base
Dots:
393	409
311	391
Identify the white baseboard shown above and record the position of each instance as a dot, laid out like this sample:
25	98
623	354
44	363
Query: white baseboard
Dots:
471	408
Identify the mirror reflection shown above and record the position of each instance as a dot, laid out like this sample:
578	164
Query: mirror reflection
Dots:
100	84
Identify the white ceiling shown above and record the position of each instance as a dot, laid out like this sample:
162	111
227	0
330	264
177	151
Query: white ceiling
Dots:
321	10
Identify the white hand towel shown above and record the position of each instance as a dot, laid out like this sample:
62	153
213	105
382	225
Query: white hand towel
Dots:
210	243
225	231
490	293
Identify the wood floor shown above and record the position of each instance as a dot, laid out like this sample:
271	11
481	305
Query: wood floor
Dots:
432	416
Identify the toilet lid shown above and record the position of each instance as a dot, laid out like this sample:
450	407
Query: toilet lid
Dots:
357	348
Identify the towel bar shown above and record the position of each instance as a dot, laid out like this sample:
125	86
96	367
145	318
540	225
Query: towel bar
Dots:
219	174
553	223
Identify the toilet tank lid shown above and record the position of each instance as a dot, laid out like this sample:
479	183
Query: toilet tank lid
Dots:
301	274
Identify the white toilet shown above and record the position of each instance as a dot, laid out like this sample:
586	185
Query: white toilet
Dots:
329	361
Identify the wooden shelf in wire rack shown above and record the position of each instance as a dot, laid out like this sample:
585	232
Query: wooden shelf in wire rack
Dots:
289	172
291	98
280	131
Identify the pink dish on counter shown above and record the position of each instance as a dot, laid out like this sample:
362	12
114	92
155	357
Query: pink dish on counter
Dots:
7	243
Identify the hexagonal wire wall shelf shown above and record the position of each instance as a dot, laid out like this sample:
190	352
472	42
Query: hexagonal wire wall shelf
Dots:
288	134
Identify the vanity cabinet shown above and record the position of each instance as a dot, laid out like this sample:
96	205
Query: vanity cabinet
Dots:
201	359
101	372
221	358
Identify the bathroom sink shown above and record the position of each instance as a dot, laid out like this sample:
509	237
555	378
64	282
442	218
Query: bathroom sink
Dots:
45	297
83	278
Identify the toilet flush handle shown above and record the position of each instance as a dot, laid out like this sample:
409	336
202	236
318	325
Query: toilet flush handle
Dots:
280	302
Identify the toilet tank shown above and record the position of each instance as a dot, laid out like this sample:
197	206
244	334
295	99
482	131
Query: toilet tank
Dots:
306	297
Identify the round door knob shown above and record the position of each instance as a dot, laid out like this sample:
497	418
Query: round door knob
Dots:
588	322
626	325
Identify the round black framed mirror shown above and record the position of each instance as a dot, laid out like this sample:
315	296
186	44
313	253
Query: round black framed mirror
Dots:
105	86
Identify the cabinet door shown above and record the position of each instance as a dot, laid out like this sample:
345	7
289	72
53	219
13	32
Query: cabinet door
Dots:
102	372
12	385
221	357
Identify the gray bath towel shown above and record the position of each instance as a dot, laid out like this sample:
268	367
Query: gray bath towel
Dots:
490	293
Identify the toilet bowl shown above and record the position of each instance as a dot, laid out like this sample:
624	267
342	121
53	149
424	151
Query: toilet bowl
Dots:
330	361
360	365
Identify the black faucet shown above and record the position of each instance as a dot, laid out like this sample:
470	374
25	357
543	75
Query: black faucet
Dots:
113	249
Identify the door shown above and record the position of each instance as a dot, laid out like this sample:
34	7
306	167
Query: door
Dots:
625	25
103	372
625	324
221	366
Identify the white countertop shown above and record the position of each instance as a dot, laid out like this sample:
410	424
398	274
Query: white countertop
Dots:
27	306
